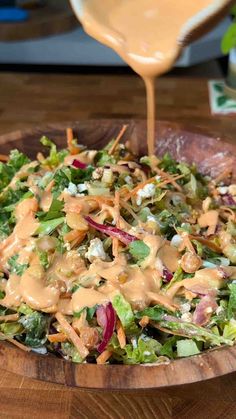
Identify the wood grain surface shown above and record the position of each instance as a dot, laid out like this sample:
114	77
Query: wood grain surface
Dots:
53	18
28	100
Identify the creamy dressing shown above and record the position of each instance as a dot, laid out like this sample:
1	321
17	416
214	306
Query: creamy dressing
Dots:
147	34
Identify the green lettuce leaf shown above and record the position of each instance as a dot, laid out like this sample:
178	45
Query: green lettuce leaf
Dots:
35	328
155	313
55	211
15	267
231	311
146	350
47	227
55	157
124	312
139	250
193	331
187	347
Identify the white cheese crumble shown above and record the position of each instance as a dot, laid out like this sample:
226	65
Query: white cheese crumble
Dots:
186	317
97	174
158	178
222	190
146	192
128	180
82	187
95	250
151	218
185	308
176	240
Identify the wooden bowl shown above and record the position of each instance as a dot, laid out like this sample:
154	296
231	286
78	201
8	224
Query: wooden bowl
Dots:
212	156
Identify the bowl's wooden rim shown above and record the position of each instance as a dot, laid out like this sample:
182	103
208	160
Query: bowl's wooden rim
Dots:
210	364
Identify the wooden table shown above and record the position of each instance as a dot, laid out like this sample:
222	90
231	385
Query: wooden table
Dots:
28	100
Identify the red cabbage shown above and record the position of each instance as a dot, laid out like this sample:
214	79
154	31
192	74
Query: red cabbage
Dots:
204	310
79	164
228	200
124	237
106	318
166	275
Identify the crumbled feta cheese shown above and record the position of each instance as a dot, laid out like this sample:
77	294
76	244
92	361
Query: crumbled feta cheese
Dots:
71	190
151	218
158	178
185	308
219	310
95	250
82	187
232	190
176	240
128	180
222	190
67	246
186	317
146	192
97	174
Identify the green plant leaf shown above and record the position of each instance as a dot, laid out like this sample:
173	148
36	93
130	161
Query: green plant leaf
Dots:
218	88
221	100
229	40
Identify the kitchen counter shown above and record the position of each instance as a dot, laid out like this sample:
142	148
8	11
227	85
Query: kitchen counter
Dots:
29	100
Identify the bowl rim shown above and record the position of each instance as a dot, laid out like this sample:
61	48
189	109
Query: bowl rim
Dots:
210	364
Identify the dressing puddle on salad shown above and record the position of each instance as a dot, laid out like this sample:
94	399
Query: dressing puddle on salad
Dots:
147	34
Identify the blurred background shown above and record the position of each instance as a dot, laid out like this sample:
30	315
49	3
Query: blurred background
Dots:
51	71
46	34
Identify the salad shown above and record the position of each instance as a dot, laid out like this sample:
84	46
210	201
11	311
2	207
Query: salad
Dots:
110	258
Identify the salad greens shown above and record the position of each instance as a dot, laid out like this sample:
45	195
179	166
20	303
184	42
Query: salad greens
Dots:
105	257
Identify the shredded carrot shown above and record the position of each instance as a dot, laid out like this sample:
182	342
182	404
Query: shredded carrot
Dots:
50	186
72	335
57	337
9	317
206	242
144	321
74	235
73	149
3	157
168	176
223	175
129	209
120	334
186	244
15	342
40	157
115	241
117	140
105	355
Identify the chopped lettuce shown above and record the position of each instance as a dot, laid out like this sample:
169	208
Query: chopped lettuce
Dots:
230	330
124	312
15	267
55	211
142	351
70	352
231	312
55	157
35	326
187	347
139	250
47	227
155	313
193	331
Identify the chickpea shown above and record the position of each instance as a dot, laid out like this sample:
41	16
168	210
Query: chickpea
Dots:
230	252
190	262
